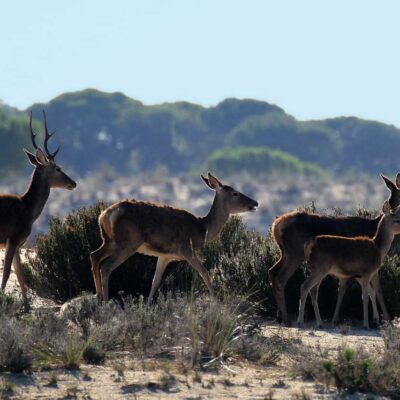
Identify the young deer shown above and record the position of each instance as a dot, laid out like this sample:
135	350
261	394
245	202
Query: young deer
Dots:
18	213
344	258
165	232
293	229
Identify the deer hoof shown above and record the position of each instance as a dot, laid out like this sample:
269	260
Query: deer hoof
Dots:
375	324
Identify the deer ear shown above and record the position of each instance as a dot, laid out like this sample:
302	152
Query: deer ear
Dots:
206	181
386	208
398	180
389	184
214	181
32	158
41	157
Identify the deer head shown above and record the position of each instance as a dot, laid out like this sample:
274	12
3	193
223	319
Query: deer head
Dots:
394	187
392	217
44	161
234	201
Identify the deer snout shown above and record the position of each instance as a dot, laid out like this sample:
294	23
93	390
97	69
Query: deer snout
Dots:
253	206
71	185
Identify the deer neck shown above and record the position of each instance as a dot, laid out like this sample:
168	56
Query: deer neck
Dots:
37	194
216	218
384	237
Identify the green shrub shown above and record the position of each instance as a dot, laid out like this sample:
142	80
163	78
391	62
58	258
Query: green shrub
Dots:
259	160
238	261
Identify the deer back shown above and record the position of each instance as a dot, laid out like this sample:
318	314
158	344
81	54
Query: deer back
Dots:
293	229
163	229
343	255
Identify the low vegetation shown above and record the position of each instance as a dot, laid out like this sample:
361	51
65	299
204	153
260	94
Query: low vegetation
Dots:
238	262
195	330
184	323
359	369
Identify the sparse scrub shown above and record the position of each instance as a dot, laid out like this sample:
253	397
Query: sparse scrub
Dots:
9	304
356	369
7	388
206	331
67	352
14	346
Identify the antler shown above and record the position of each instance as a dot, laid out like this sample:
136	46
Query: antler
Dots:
50	156
33	135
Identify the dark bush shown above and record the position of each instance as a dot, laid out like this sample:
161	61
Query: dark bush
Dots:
61	269
238	261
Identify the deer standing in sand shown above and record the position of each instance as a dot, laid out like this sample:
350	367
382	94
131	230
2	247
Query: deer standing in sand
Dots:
345	257
18	213
292	230
165	232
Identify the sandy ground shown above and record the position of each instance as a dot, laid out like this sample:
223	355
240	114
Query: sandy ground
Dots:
127	378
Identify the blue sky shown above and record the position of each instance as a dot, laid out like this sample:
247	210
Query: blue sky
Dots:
315	59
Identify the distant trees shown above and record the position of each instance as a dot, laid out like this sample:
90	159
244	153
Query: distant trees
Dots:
14	136
178	137
259	160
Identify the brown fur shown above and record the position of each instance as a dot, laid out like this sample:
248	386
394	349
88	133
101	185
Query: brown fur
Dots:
344	258
292	230
165	232
151	223
343	251
18	213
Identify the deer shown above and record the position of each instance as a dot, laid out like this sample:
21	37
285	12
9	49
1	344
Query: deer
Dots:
292	230
169	233
344	258
18	213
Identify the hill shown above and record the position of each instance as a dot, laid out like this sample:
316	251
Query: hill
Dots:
112	129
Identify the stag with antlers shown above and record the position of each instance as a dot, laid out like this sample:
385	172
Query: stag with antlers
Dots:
18	213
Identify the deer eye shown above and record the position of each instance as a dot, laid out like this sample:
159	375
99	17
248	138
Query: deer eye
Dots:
235	194
58	169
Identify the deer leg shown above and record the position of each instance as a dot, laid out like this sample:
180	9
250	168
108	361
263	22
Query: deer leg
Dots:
162	263
112	262
314	299
18	271
376	284
341	291
273	273
372	296
279	274
305	289
365	298
96	257
199	267
10	251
